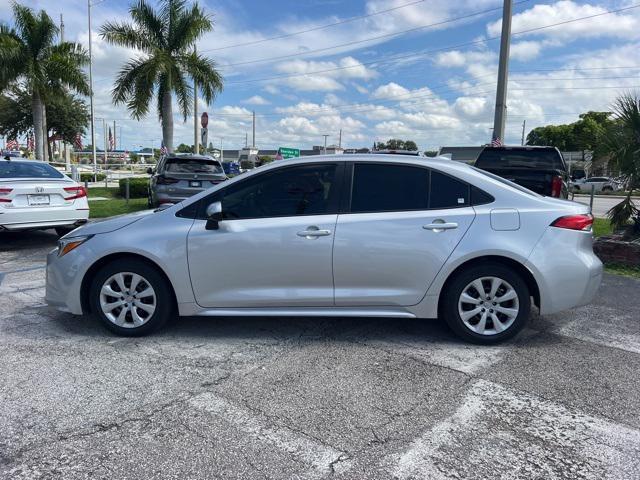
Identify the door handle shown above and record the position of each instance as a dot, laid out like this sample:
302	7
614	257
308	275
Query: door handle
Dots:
313	232
440	226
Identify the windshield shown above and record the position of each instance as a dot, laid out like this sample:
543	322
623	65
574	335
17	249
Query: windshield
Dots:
511	158
193	165
13	169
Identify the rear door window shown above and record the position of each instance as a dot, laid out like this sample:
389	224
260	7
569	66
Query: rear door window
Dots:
387	188
448	192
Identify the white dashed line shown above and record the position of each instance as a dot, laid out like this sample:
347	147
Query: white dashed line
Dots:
500	433
321	458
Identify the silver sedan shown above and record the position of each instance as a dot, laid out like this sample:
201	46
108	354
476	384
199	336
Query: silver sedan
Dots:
345	235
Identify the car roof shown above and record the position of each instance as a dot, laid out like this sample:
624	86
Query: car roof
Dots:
192	156
520	147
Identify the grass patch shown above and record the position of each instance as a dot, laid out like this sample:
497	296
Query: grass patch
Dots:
622	270
116	205
601	226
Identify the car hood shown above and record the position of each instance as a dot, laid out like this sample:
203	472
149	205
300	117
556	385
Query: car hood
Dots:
109	224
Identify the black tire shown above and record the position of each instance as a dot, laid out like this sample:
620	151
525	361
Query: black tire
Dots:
164	299
607	189
454	289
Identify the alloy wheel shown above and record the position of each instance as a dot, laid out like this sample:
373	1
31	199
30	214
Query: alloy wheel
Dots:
488	305
127	299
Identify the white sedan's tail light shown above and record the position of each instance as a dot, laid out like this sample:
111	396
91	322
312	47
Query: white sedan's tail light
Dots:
574	222
76	192
4	192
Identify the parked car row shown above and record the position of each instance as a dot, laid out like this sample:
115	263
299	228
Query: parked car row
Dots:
597	184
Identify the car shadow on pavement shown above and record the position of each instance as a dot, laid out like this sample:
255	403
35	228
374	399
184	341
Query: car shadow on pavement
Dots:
16	241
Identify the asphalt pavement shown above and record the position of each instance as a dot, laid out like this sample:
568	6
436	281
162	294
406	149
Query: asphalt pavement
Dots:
282	398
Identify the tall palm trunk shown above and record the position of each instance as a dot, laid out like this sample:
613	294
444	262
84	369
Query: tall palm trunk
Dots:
167	121
36	110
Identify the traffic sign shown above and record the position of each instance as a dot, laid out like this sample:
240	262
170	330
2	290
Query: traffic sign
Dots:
204	120
287	152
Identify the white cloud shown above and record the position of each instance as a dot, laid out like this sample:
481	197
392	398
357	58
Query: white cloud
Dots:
622	25
391	89
472	107
526	50
256	100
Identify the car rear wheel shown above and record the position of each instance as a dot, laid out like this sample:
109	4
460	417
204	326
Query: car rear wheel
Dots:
131	298
486	304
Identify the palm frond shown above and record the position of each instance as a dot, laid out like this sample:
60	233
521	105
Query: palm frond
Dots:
188	27
203	71
149	24
64	67
183	91
125	35
132	80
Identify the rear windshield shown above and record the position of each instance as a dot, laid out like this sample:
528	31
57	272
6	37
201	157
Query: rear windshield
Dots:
13	169
193	165
507	158
507	182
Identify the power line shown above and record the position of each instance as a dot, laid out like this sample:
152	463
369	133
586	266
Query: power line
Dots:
370	39
425	52
313	29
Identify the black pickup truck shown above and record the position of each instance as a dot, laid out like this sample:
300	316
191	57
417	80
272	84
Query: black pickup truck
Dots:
540	169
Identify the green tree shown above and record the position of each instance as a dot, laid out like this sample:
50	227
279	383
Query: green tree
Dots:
29	56
622	141
169	64
585	134
397	144
184	148
67	115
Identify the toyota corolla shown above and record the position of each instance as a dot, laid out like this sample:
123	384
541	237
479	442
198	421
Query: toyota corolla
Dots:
347	235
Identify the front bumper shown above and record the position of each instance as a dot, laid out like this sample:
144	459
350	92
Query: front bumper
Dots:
64	280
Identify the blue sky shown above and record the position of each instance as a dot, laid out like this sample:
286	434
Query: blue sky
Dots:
420	70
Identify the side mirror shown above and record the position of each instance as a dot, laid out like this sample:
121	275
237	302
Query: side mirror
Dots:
164	206
150	171
214	216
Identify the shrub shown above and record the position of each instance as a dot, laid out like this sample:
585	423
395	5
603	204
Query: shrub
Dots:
138	187
88	177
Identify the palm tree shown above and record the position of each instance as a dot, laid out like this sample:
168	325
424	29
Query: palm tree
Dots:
622	142
169	63
28	55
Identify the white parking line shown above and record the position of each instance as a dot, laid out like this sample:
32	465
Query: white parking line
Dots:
321	458
501	433
602	325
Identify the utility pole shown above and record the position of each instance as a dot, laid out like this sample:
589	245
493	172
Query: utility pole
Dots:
106	140
246	139
253	140
115	137
325	144
340	139
503	73
524	124
61	29
196	137
93	134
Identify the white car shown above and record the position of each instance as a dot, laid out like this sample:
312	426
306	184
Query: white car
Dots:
34	195
600	184
337	235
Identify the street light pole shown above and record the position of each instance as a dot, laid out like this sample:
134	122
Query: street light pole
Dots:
93	135
196	140
325	144
503	73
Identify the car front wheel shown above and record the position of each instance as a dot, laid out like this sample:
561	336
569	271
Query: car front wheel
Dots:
486	304
131	297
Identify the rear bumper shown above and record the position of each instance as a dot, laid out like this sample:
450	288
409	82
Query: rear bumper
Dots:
568	272
25	219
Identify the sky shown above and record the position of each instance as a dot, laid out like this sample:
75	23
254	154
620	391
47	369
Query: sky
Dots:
379	69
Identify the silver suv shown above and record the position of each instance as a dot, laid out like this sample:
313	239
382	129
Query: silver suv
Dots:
179	176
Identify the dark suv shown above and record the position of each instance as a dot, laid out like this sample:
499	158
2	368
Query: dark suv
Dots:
540	169
177	177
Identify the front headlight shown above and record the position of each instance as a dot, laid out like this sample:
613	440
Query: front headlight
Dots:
65	245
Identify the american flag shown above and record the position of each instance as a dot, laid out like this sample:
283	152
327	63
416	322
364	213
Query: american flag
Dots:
77	142
31	143
13	144
496	142
111	143
163	149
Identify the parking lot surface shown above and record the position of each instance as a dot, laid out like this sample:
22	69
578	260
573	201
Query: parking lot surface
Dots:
305	398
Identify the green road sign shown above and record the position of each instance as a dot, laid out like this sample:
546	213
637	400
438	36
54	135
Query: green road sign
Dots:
287	152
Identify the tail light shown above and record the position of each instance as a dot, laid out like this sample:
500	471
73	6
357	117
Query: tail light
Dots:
76	192
3	193
574	222
556	186
162	180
